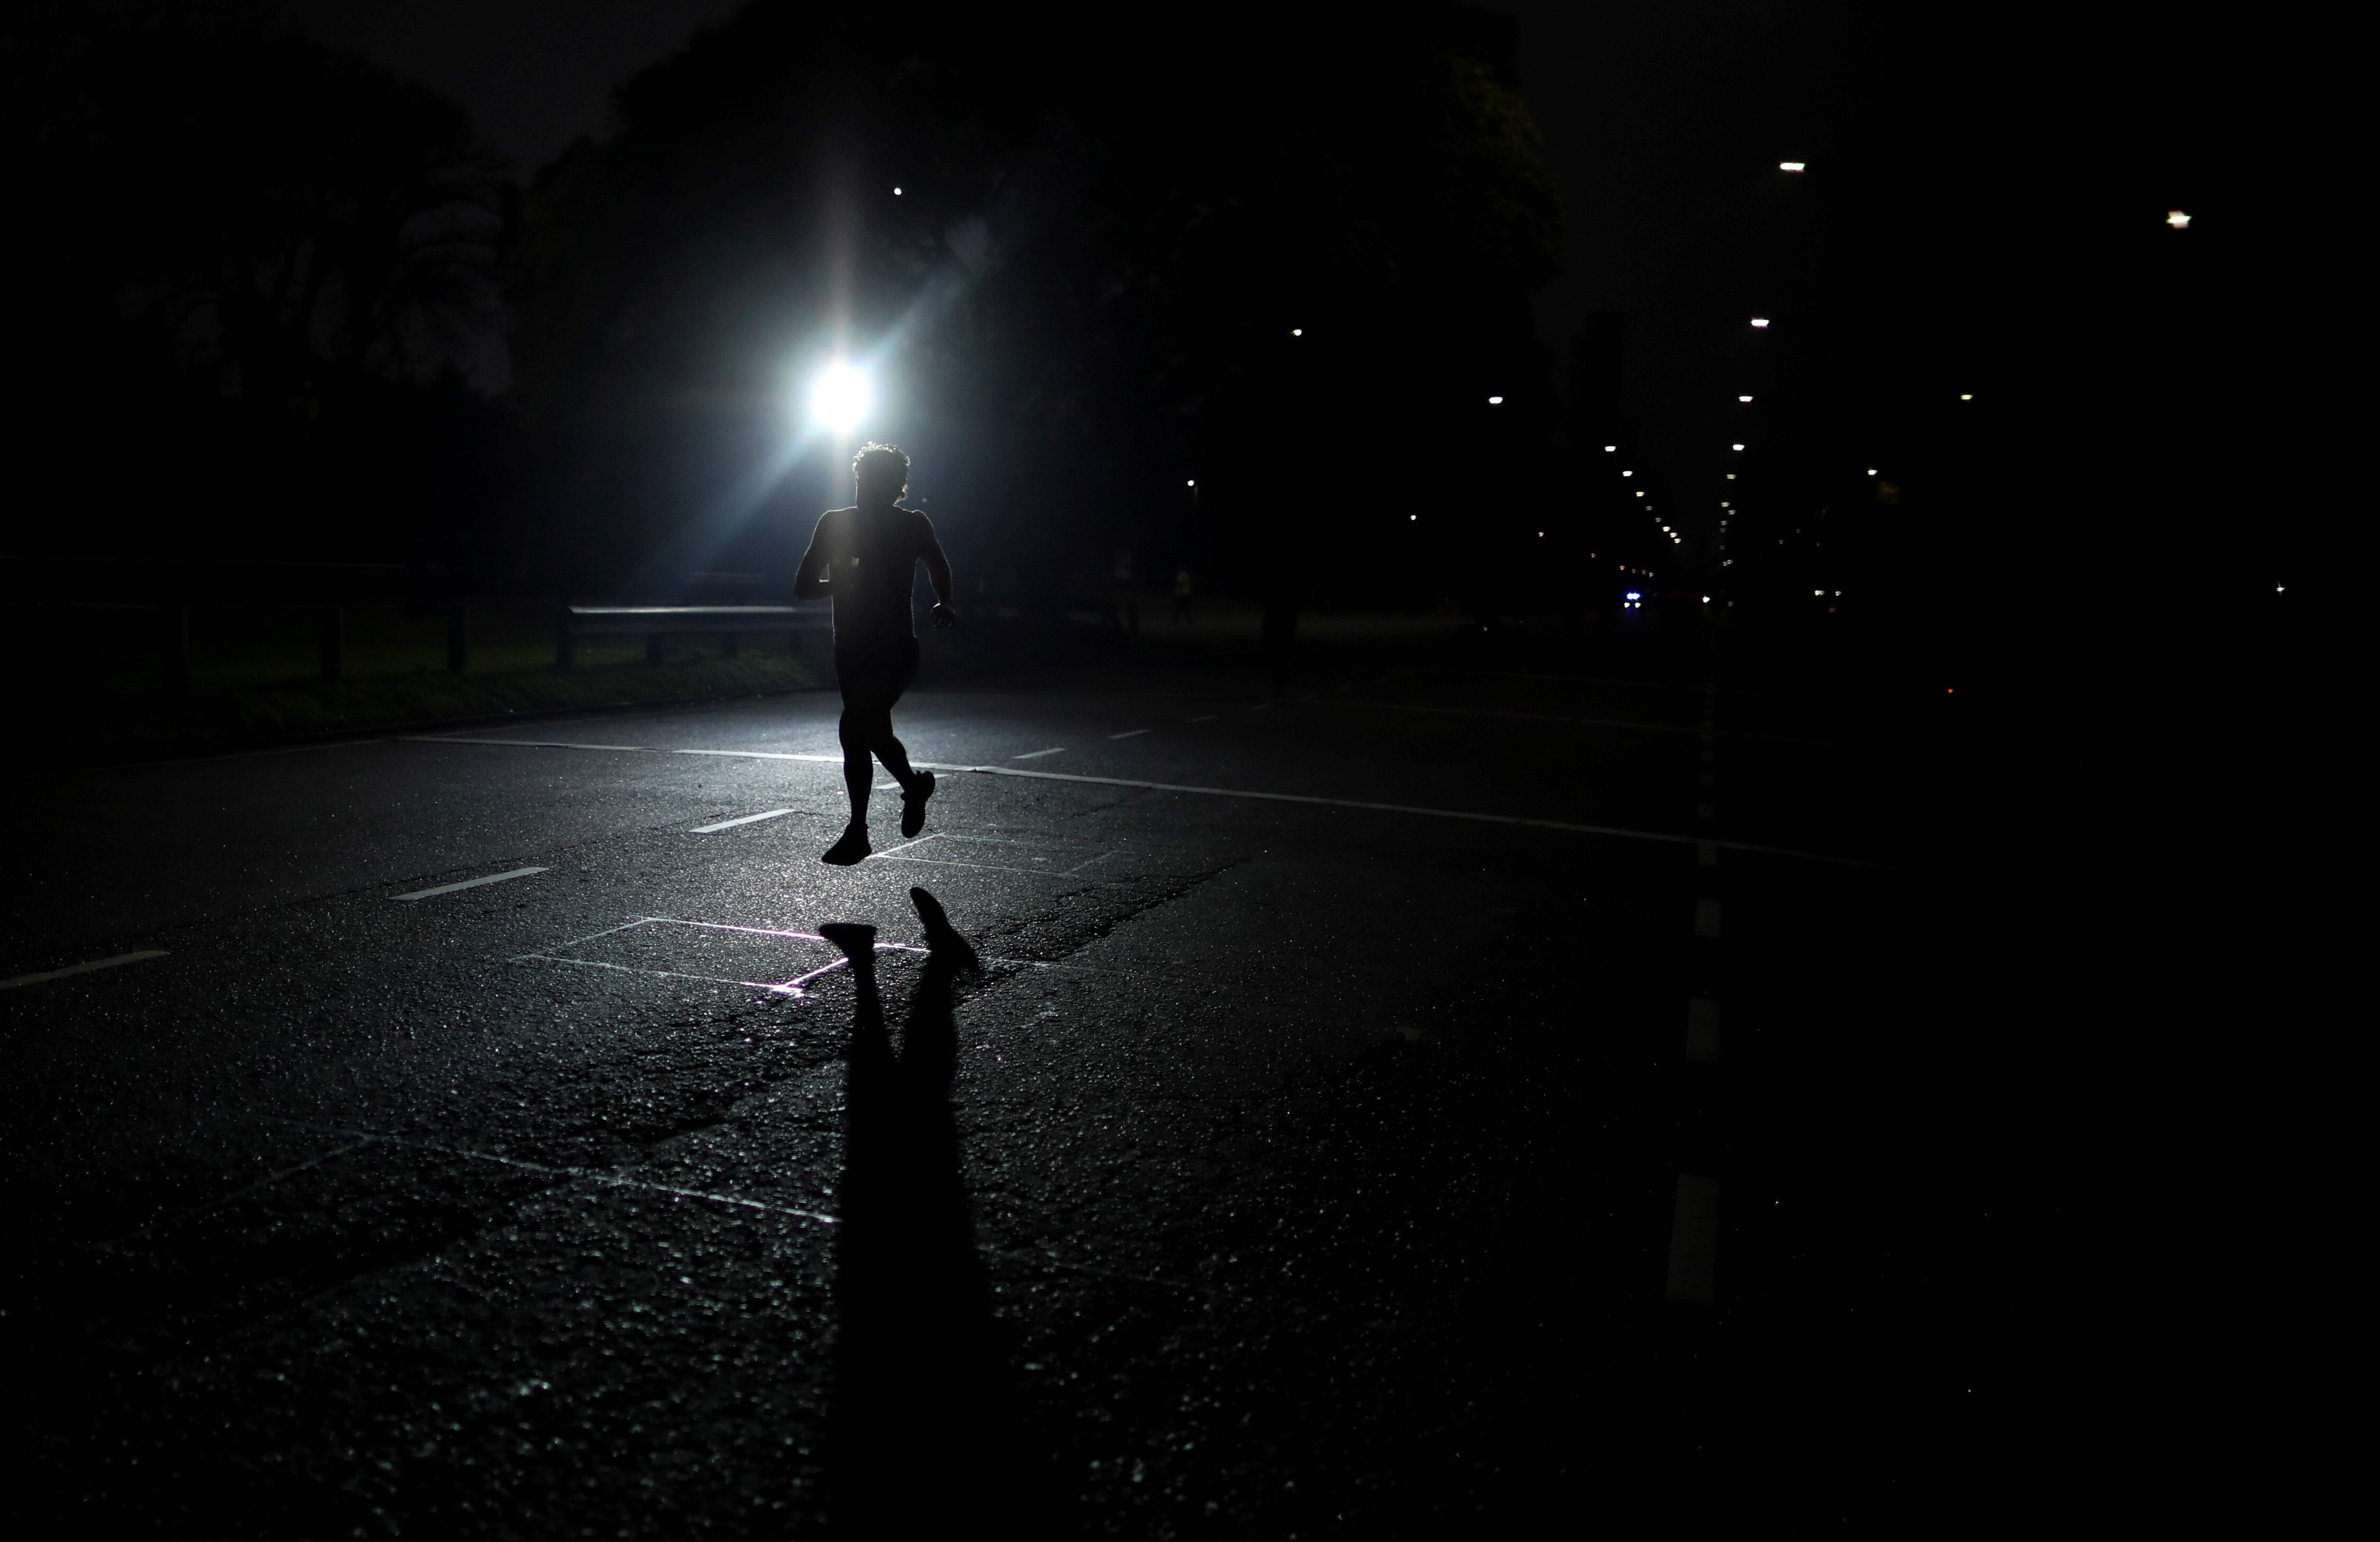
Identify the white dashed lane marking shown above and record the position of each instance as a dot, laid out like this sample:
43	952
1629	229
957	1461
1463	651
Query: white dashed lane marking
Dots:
1693	1241
748	819
1702	1030
1129	734
1037	754
1205	717
469	883
81	969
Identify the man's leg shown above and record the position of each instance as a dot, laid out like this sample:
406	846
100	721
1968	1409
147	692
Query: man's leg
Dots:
861	725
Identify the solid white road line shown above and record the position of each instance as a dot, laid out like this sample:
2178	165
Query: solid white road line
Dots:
1207	717
1706	730
730	824
1698	843
1037	754
1693	1241
82	968
1129	734
515	743
467	883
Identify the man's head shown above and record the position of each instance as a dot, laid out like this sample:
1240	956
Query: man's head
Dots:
880	472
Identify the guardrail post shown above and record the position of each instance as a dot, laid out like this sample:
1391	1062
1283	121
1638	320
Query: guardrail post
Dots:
566	651
333	642
457	650
174	646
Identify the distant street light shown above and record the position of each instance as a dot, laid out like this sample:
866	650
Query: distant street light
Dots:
1744	398
1791	165
1494	401
839	398
1760	321
1627	473
1192	482
1966	395
896	192
1735	447
2177	219
1297	332
1612	449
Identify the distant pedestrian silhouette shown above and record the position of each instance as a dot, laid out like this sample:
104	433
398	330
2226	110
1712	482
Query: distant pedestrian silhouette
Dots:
863	559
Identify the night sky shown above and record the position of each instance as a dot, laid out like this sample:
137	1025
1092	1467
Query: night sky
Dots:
1664	122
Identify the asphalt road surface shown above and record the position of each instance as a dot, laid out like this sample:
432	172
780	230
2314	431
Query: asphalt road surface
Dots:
1424	1102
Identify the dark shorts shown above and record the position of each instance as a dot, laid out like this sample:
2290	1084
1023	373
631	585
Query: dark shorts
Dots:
876	676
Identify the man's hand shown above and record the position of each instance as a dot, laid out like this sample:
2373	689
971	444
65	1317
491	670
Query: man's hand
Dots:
945	616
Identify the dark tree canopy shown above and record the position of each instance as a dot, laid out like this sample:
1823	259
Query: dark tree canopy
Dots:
1084	295
248	265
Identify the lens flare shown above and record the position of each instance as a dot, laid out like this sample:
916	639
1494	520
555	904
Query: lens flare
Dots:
839	398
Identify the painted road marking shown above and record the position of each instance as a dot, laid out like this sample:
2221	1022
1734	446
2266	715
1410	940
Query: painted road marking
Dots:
584	1174
1037	754
1207	718
1514	820
1704	730
468	883
1707	917
1706	854
516	744
1129	734
730	824
82	968
1693	1241
1702	1030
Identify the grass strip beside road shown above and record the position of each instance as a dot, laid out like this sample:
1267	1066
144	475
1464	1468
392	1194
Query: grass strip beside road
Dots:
110	726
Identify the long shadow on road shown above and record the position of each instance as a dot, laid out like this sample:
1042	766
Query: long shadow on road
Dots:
923	1426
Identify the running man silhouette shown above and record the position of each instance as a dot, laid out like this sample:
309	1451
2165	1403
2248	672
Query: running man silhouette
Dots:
863	558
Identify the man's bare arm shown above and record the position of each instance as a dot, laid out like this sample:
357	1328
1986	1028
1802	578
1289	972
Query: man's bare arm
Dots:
937	573
809	582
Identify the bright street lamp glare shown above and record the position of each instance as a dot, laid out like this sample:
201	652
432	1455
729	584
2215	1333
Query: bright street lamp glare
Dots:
1791	166
2177	219
1760	321
1494	401
1744	398
839	398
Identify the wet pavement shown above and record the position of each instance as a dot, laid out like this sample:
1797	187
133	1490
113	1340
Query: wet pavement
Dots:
1424	1101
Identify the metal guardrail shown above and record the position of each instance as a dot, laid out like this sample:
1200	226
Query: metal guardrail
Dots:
732	624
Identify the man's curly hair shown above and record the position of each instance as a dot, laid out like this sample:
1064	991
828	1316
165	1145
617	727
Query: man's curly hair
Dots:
878	466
